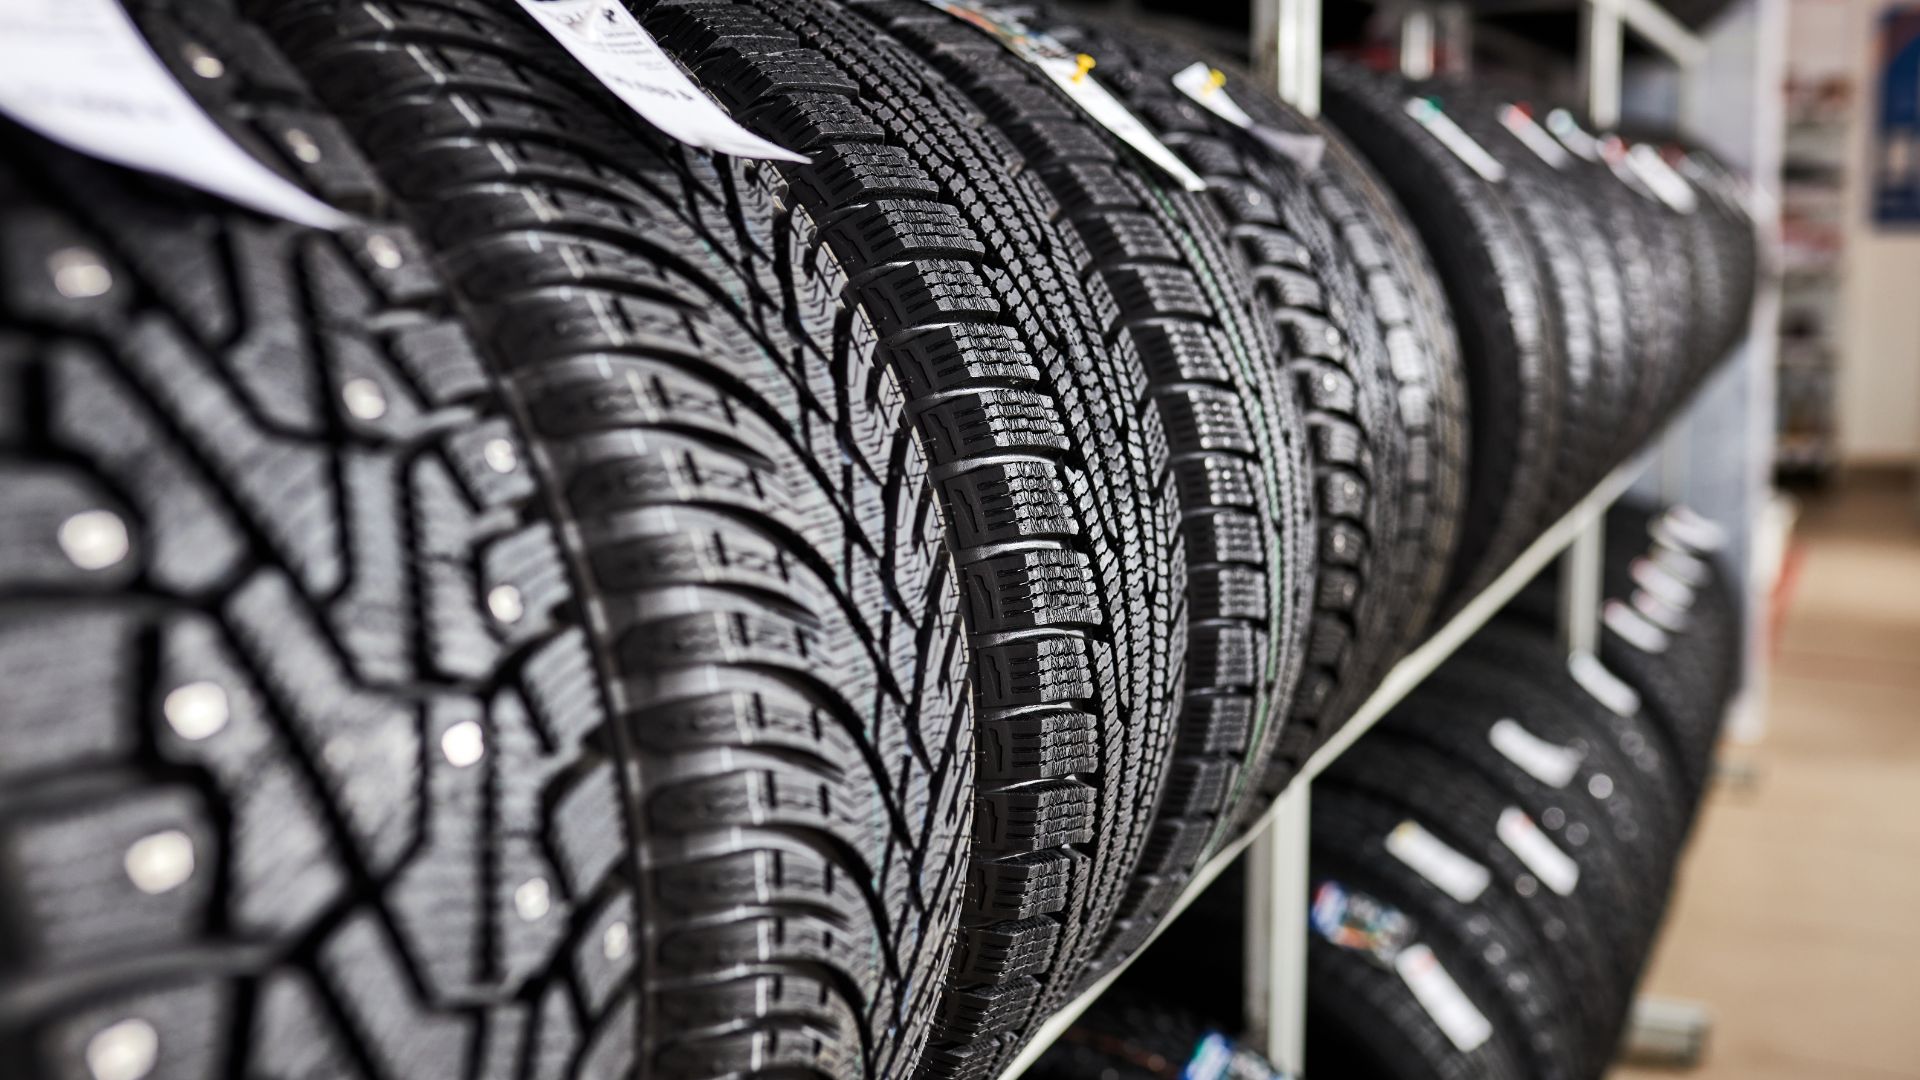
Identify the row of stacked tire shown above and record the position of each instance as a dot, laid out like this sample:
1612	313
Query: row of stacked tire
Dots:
616	607
1490	864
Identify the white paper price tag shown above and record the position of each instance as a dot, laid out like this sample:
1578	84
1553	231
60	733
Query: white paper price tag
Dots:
1208	88
1550	763
1555	868
1534	137
1464	1025
1670	186
1692	530
1444	868
80	73
1659	612
1634	628
1429	116
1652	577
1604	685
1070	71
1689	570
1572	136
619	52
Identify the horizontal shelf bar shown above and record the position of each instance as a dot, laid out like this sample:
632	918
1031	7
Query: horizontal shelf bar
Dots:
1398	683
1648	19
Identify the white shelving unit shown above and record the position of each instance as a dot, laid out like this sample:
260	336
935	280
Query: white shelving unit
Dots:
1732	418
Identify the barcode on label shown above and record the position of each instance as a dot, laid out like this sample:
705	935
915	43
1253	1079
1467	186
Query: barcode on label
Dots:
1444	868
1555	868
1464	1025
1549	763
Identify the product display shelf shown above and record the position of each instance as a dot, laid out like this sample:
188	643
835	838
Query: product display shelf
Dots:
1286	37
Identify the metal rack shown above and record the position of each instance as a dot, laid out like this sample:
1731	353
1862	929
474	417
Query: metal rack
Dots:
1735	411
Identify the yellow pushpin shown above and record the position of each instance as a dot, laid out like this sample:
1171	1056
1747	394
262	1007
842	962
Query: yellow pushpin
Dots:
1215	79
1083	64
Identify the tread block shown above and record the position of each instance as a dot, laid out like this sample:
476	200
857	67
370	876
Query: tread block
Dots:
967	1012
1005	950
1153	290
961	356
1037	746
994	422
1031	589
108	874
926	291
70	678
1217	723
1009	501
888	230
1207	419
1177	351
1020	887
1225	656
1228	592
1223	536
1048	671
1035	816
188	1020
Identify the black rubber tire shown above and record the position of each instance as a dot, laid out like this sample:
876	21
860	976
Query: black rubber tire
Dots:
1561	951
1347	283
951	242
1490	947
1523	650
309	769
1688	678
1589	310
1497	293
1184	302
1617	882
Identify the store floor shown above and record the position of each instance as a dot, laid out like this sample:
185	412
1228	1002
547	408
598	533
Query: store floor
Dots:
1798	916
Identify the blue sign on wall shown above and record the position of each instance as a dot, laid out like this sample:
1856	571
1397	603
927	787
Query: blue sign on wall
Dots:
1896	150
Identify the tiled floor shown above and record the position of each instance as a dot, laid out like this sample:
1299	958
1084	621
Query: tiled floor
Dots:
1798	916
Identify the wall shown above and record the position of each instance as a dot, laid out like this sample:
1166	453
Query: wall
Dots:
1879	383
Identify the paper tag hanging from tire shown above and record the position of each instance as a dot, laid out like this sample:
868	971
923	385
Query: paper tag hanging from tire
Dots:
615	49
1071	72
1207	87
80	73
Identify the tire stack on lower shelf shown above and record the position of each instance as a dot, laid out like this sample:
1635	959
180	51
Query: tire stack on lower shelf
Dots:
617	608
1490	864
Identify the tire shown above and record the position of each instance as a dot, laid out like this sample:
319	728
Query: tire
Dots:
1332	250
1488	947
1052	461
1585	289
1688	669
1620	872
309	771
1184	301
1548	937
1497	293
